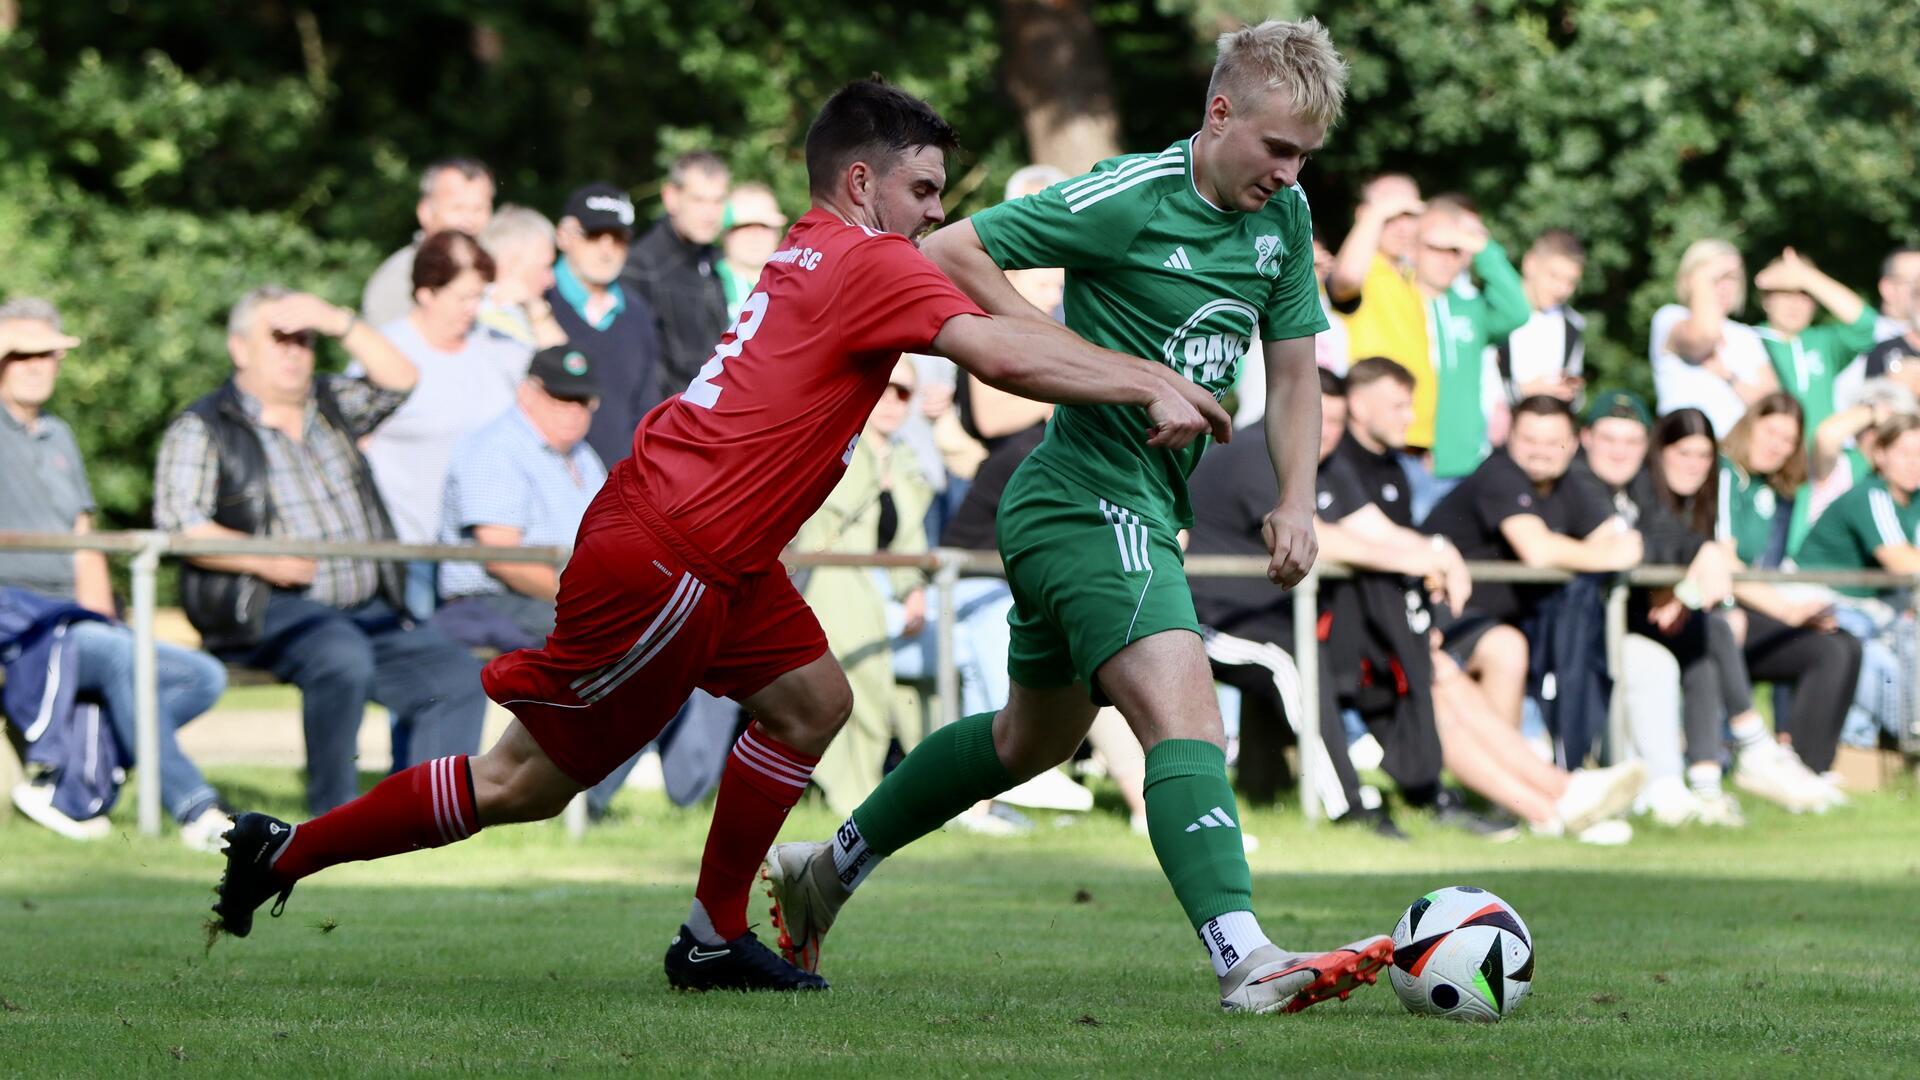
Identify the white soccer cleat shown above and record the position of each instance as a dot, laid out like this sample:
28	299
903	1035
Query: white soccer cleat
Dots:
806	894
1773	773
1595	795
1273	980
1612	832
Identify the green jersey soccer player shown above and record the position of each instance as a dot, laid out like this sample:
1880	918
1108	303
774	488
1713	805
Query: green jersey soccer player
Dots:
1182	257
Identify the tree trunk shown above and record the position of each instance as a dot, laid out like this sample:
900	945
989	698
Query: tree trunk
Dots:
1056	74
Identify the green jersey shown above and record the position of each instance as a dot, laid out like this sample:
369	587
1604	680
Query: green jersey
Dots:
1755	518
1155	270
1858	524
1461	323
1808	364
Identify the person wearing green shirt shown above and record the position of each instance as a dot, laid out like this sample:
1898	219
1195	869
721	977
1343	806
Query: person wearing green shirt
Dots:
1808	358
1461	323
1876	526
1789	640
1180	256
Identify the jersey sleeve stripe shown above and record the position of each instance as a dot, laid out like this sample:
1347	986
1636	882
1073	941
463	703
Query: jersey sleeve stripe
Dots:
1884	517
1087	184
1152	174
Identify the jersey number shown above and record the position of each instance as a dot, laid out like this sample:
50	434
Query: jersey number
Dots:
701	391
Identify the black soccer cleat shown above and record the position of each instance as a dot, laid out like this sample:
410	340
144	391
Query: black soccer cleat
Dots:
741	964
248	881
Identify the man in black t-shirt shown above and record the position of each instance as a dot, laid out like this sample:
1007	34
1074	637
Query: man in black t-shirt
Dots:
1521	505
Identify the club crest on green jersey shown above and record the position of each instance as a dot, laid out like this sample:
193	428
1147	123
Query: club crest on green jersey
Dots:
1267	253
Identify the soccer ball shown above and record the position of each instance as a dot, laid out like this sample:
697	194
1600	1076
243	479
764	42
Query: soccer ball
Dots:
1461	953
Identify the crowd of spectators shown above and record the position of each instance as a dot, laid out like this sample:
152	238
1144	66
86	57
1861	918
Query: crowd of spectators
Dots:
500	361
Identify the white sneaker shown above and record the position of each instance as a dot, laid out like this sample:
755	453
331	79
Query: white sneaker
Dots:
207	831
1051	790
1273	980
1610	833
1770	771
1722	811
36	801
1670	802
1594	795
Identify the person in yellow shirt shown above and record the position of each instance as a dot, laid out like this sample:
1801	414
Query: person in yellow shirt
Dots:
1372	288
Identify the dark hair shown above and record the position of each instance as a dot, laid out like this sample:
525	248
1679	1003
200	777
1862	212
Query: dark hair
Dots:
1738	445
1560	242
1332	385
874	121
1700	512
704	161
1455	201
1373	369
1545	405
1886	264
444	255
469	168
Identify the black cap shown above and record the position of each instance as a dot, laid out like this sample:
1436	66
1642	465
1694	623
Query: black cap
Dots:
598	207
565	372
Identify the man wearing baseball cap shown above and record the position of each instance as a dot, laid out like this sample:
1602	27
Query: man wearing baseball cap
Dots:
523	479
606	323
750	232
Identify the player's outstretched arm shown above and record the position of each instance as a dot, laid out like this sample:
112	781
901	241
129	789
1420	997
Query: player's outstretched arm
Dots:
1036	359
959	253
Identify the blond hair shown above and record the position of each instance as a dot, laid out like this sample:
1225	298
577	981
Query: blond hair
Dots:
1295	58
1699	253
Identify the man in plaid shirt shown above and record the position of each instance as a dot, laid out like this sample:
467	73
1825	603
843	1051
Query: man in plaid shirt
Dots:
272	453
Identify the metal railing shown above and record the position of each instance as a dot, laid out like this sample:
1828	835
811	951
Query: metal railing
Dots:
945	565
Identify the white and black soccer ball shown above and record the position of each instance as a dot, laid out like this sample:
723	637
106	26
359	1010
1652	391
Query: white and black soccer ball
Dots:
1461	953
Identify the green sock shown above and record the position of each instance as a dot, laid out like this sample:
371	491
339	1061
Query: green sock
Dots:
950	770
1195	828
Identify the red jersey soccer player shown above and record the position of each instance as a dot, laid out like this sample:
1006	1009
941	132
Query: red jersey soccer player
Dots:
675	581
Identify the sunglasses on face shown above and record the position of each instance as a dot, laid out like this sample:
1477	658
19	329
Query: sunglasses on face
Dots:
51	354
901	391
302	338
591	404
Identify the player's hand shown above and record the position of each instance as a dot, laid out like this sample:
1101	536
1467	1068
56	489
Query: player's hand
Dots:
287	571
1183	412
1288	532
915	608
302	312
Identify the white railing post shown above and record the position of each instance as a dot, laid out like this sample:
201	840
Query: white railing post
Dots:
146	680
947	678
1306	654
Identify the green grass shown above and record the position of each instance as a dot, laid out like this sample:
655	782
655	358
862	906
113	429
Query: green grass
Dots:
1787	949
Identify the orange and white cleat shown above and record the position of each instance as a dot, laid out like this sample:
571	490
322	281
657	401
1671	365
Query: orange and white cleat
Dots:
806	894
1272	980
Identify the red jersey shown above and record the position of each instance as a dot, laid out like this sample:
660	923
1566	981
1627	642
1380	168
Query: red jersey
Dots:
745	455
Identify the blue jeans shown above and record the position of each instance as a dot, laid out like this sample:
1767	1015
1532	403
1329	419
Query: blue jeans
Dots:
1877	698
189	683
343	658
980	643
1424	490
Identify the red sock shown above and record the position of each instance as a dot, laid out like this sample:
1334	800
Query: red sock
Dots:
428	806
764	778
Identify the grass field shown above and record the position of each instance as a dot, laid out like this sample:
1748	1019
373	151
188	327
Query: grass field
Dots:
1788	949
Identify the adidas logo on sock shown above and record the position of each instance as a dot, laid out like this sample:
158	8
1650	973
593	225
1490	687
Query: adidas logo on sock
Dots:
1178	260
1215	818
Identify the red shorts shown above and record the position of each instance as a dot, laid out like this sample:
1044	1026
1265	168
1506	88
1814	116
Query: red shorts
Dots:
643	619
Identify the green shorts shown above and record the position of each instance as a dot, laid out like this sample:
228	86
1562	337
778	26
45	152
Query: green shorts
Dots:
1088	579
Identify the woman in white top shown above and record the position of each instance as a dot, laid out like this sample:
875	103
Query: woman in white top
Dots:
1702	357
